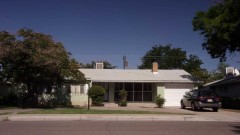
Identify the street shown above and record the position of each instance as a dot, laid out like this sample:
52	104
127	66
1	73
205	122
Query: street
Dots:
118	128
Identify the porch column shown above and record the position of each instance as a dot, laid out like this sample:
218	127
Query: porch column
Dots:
111	92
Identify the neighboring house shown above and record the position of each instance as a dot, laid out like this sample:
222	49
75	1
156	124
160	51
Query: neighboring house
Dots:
141	85
228	87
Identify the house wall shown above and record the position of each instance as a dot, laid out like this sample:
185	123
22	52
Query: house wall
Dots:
229	90
79	97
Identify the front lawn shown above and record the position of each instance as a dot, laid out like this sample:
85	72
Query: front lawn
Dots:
92	111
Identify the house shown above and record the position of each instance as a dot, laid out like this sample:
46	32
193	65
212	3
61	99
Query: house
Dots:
141	85
228	87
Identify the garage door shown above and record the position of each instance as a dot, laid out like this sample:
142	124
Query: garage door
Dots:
173	93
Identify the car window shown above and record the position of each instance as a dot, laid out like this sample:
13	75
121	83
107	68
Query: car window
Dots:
188	93
195	94
207	93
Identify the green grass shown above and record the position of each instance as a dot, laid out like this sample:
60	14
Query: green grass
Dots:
92	111
5	113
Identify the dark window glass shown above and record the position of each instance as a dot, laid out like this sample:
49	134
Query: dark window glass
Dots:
147	96
128	86
137	96
138	87
118	86
147	87
130	96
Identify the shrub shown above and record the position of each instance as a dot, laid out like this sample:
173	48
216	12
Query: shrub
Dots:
96	93
160	101
123	98
230	103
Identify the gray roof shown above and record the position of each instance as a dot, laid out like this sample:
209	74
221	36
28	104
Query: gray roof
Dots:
137	75
229	80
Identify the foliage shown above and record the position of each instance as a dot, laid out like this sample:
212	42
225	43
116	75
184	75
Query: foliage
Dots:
36	61
96	93
218	73
123	98
160	101
106	65
174	58
220	26
230	103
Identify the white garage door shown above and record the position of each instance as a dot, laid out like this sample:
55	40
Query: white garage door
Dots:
173	93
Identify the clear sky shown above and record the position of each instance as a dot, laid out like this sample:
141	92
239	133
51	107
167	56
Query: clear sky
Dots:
109	29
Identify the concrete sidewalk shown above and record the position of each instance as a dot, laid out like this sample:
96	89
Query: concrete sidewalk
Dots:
107	117
206	115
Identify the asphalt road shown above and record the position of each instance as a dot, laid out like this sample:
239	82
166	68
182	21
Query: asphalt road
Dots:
118	128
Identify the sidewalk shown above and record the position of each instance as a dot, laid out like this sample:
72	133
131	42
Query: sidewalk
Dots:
206	115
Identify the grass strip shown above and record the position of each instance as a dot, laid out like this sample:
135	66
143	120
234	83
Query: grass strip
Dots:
5	113
93	111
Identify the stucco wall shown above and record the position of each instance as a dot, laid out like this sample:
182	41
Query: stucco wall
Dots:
78	97
160	89
79	100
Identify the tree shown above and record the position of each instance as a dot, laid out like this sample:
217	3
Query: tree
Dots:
37	61
220	26
106	65
173	58
166	56
218	73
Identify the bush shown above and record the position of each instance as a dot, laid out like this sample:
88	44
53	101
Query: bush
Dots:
123	98
96	93
160	101
230	103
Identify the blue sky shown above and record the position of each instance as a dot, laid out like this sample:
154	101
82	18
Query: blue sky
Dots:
109	29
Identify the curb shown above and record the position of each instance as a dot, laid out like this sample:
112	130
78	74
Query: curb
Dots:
111	118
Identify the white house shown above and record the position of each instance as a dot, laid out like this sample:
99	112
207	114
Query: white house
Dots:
141	85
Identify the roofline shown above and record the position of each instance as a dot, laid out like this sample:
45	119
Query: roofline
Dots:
145	81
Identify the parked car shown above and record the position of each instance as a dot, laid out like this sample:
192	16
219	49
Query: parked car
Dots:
199	99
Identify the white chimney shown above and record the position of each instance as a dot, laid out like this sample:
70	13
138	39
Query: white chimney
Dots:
99	65
231	71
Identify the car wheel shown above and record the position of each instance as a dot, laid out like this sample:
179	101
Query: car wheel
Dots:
193	107
215	109
182	105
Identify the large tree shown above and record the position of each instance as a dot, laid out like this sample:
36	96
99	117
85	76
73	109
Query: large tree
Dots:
35	60
220	26
218	73
173	58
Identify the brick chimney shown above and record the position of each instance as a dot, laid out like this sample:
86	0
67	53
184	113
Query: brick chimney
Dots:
155	68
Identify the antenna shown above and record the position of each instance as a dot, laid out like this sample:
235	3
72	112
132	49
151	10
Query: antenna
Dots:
125	62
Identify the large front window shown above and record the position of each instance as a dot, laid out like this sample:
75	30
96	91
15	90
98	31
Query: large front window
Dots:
137	92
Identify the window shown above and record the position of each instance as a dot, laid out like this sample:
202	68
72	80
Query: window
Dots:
81	89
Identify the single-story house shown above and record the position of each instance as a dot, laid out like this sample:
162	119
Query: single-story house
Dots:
141	85
228	87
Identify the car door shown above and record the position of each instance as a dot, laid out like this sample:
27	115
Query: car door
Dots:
186	98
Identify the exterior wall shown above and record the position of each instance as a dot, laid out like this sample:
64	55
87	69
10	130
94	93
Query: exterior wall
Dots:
78	97
160	89
229	90
111	92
